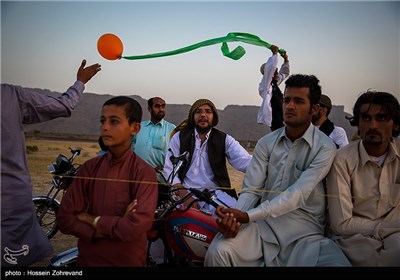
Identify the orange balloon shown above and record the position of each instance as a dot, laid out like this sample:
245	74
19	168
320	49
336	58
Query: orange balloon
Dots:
110	46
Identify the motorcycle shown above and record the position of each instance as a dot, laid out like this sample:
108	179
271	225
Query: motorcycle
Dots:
185	232
46	206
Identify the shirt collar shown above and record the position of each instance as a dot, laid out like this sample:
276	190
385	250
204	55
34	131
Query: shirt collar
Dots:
307	136
148	122
363	153
121	159
196	134
393	151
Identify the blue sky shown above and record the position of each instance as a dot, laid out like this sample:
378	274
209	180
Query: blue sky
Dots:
349	46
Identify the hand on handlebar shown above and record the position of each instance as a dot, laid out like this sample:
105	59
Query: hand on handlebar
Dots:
229	220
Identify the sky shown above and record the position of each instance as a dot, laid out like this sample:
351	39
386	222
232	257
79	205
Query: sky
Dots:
349	46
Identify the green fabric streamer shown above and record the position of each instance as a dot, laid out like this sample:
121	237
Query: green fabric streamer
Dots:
235	54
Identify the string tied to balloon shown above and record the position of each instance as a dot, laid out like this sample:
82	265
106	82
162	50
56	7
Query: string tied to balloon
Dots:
110	46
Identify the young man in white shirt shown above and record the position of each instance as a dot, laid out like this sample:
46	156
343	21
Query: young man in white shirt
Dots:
320	119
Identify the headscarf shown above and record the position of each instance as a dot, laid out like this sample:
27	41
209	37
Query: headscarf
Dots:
197	104
189	122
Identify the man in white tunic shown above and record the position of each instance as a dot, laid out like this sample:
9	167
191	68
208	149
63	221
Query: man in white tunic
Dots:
270	111
364	185
280	215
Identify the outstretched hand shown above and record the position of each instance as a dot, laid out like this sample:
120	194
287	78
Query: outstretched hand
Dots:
85	74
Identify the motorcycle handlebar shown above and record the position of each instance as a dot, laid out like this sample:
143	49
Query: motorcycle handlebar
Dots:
208	197
181	158
75	153
205	195
202	196
64	165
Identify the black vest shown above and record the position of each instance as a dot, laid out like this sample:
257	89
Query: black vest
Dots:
276	105
216	156
327	127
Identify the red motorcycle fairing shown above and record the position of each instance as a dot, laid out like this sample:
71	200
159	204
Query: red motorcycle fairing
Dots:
190	233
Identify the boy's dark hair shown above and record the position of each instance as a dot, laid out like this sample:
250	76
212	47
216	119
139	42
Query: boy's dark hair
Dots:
310	81
103	146
390	106
133	110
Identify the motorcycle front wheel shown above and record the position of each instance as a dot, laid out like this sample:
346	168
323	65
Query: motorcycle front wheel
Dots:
46	212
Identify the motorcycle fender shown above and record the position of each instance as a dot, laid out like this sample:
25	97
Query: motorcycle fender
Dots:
65	258
43	197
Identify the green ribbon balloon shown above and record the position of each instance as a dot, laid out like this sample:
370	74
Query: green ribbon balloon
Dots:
235	54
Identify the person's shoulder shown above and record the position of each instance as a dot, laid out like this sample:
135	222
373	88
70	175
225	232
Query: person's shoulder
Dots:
92	160
90	163
16	89
4	85
322	139
229	139
143	167
348	149
396	141
9	85
216	130
139	161
168	124
268	140
341	129
272	135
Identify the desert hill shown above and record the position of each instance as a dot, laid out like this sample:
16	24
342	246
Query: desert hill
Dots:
236	120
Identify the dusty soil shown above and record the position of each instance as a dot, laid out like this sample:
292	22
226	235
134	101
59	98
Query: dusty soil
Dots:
47	152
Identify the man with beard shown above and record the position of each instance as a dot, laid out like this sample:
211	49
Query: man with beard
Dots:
151	143
208	148
364	185
320	119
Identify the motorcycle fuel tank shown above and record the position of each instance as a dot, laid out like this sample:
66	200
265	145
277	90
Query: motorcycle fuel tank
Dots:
190	233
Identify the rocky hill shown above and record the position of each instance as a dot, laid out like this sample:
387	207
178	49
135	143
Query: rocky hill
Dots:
238	121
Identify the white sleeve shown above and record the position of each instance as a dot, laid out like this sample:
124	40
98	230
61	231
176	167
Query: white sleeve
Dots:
284	72
237	156
269	69
174	145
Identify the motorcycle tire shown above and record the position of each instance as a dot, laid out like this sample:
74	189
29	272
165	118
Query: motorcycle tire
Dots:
49	221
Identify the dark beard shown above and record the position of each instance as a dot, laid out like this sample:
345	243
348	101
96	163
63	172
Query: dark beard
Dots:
159	117
203	130
316	117
373	138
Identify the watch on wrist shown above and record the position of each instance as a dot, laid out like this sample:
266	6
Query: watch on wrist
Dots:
95	221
